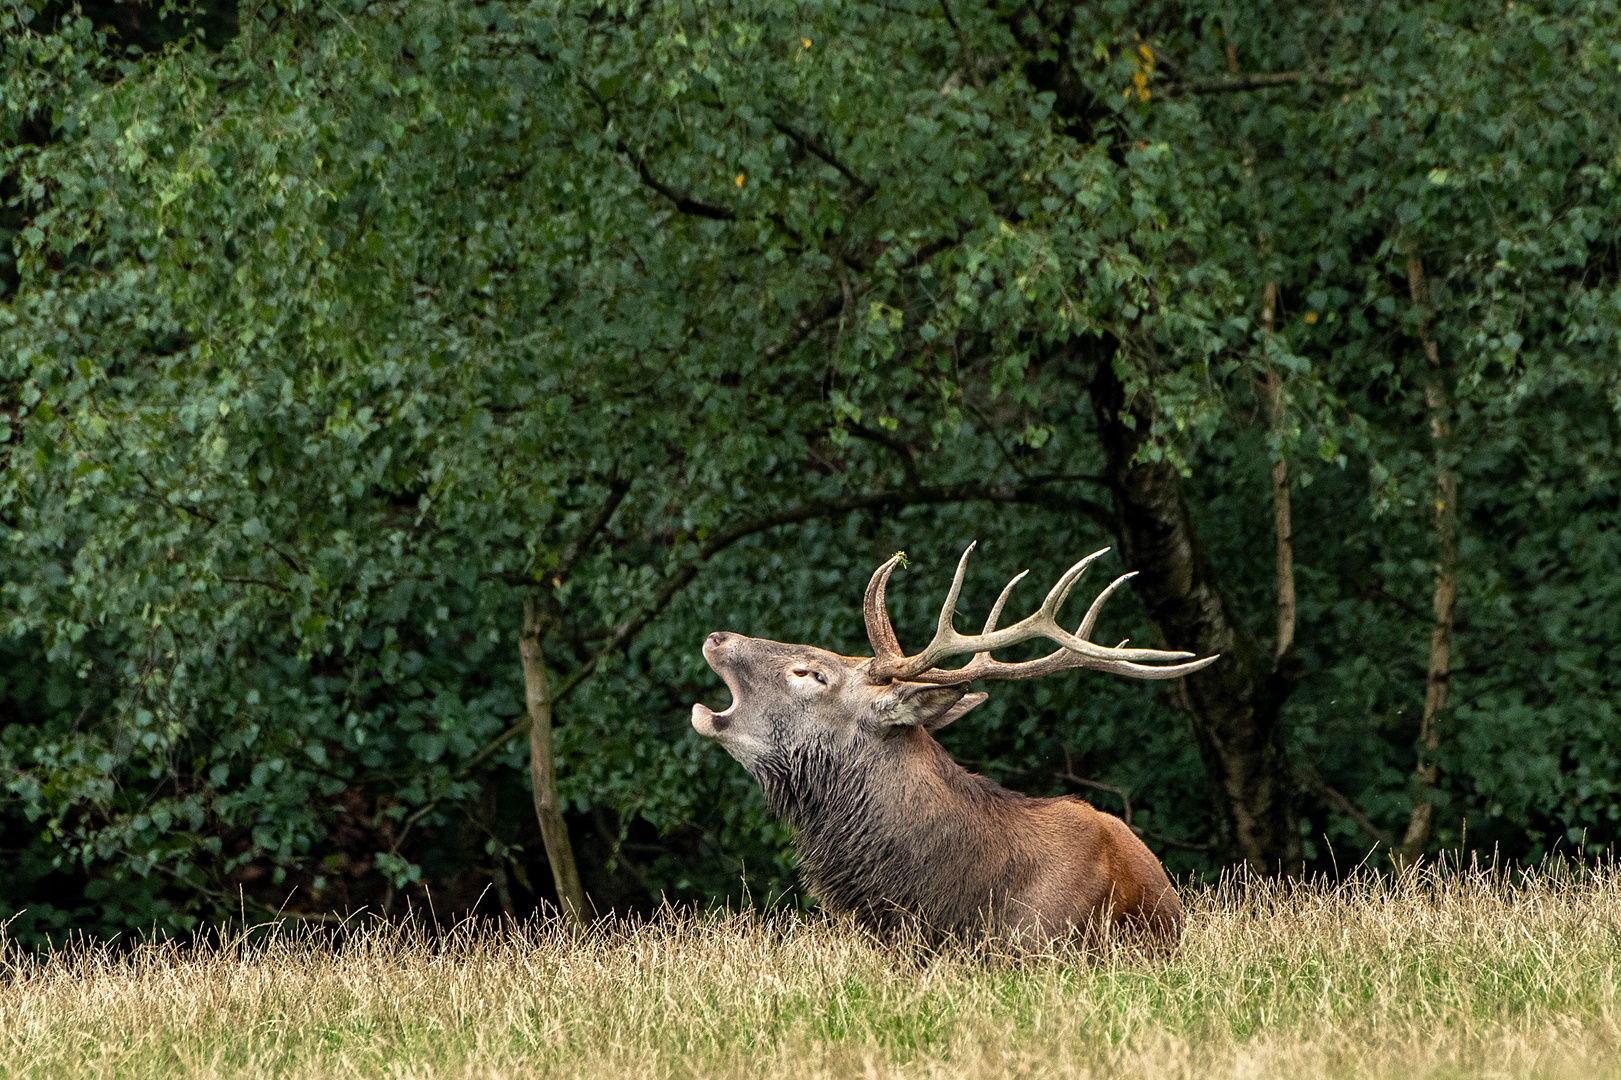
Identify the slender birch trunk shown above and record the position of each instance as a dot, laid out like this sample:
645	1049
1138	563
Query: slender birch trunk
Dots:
1446	509
537	693
1282	525
1272	391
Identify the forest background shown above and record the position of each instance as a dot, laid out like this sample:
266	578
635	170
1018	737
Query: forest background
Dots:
393	394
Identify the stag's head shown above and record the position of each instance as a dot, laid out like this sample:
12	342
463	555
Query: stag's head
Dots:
789	700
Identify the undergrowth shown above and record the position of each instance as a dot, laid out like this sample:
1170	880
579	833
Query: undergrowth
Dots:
1433	974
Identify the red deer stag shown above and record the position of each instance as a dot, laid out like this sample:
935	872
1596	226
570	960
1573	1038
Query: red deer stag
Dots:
889	827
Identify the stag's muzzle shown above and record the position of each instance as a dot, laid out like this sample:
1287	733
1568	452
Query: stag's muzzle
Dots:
706	721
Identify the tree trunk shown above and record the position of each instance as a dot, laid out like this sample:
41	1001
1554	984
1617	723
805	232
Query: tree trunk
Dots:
537	693
1422	818
1271	390
1234	704
1283	527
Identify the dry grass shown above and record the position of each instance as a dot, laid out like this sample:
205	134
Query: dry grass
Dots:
1439	975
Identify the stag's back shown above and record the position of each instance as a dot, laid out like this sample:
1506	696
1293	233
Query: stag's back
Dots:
1094	870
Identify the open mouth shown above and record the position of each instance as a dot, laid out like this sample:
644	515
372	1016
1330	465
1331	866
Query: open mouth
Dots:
707	721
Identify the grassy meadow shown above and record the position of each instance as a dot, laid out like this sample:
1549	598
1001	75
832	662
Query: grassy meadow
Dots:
1438	974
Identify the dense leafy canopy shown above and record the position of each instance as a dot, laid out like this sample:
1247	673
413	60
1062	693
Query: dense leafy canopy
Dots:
330	340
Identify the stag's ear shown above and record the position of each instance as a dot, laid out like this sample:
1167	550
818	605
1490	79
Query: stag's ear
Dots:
925	705
958	711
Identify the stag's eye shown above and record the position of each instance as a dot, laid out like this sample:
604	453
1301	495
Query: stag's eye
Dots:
812	674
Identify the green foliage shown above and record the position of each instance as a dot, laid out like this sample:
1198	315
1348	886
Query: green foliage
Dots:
327	343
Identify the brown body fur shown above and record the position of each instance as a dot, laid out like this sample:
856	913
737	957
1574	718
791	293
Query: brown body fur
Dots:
966	854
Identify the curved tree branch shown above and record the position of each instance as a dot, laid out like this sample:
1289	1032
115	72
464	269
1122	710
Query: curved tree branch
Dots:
1037	490
814	146
1231	84
1334	800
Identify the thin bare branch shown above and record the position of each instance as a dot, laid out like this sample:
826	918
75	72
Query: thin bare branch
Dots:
617	490
1334	800
831	307
686	204
900	449
814	146
1261	81
1125	796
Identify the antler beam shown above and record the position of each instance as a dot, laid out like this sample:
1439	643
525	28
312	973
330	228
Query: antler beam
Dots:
890	662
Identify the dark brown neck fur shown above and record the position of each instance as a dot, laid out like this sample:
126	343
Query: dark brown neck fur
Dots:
900	831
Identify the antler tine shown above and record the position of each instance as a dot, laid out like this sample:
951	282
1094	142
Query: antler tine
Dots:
1104	653
1044	623
885	647
996	608
1085	630
948	610
984	667
1140	671
996	613
1060	592
946	639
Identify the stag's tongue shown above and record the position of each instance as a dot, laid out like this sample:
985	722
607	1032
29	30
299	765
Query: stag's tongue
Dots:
707	721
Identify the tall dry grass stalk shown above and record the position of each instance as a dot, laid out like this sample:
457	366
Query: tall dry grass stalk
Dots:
1440	974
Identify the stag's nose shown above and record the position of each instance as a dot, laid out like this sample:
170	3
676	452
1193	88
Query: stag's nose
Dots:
716	640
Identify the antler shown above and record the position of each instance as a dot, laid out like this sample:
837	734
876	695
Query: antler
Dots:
890	662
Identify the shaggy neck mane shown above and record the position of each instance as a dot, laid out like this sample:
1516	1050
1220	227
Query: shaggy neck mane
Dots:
862	845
